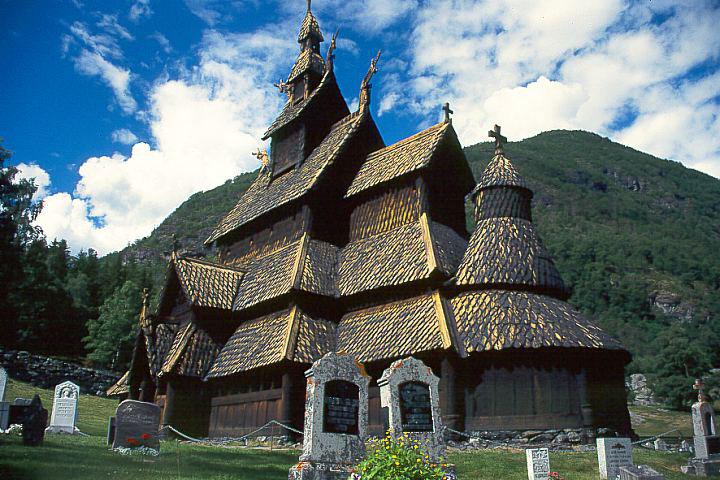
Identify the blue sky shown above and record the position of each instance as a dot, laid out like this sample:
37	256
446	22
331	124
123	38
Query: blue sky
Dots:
121	110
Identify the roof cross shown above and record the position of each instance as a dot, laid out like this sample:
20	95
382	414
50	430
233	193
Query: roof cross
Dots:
499	139
699	386
448	112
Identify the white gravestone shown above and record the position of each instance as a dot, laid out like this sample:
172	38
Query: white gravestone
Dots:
64	409
613	453
538	463
3	383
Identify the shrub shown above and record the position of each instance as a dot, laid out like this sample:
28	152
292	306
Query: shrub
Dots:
398	459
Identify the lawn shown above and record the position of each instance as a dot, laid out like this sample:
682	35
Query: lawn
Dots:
649	421
79	458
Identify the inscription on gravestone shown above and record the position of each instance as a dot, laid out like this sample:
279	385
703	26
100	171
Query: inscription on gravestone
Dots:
64	409
136	425
341	405
613	453
538	463
415	408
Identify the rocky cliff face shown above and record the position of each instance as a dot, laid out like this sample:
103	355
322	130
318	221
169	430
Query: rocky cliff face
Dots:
639	389
672	305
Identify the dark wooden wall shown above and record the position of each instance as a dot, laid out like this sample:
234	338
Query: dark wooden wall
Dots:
265	240
287	149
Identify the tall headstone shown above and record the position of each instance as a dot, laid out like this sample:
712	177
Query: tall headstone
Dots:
613	453
3	383
706	462
336	417
137	424
538	463
409	395
33	418
64	409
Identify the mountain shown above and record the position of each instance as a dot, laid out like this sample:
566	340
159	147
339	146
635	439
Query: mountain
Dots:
636	237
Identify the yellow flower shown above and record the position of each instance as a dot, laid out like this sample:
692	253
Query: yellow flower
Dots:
394	456
397	463
416	447
418	460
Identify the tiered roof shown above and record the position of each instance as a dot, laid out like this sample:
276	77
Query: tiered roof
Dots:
290	335
192	353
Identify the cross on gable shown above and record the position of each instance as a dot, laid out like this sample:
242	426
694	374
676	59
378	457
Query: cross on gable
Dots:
448	112
499	139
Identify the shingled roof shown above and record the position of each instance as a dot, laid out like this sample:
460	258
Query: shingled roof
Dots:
306	60
507	251
266	193
192	353
120	387
207	284
407	253
158	345
290	335
310	27
394	330
500	172
502	319
401	158
305	264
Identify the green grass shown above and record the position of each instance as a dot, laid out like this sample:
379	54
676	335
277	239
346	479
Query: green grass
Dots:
657	421
93	412
79	458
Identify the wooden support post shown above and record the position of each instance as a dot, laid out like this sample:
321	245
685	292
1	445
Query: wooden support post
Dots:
585	406
448	401
169	403
286	401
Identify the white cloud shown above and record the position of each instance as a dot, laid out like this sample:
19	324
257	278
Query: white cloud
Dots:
39	177
536	66
124	136
209	11
140	9
163	41
93	52
110	24
204	126
117	78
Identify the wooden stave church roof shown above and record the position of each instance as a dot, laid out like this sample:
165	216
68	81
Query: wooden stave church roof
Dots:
445	327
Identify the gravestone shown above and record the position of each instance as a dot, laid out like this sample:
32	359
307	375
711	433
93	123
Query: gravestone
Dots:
137	425
538	463
685	446
33	418
336	417
409	394
660	445
706	462
4	416
111	430
64	409
3	383
613	453
640	472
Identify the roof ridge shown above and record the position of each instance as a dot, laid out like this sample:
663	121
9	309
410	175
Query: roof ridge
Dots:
405	140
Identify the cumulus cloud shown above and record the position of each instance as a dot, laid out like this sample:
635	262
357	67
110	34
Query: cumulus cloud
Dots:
124	136
37	175
613	67
204	126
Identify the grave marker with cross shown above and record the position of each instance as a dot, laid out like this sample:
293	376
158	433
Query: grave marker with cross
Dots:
499	139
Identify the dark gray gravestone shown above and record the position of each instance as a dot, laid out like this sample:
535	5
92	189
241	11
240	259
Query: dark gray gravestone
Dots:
111	430
33	418
136	425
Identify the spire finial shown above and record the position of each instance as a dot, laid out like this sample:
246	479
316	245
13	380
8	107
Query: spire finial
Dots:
175	245
499	139
308	5
331	50
365	86
448	112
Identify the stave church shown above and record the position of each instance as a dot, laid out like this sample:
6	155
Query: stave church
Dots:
345	244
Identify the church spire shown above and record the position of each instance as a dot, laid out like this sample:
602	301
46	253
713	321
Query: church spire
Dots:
309	66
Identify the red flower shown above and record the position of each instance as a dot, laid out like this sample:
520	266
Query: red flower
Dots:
132	441
145	436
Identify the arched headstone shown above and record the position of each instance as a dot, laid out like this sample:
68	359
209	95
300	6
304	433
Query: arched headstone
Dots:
336	418
65	408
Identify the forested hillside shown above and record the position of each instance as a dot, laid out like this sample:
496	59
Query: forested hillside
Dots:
634	236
